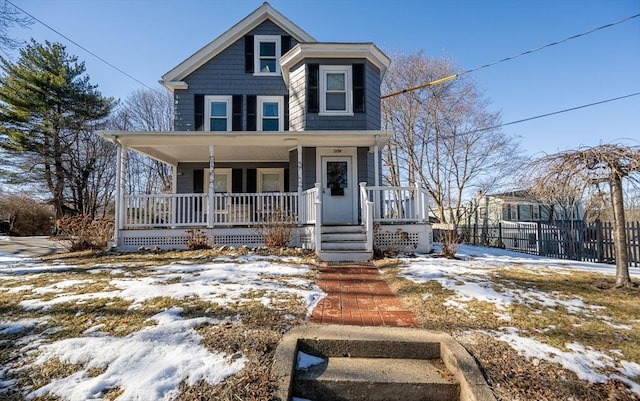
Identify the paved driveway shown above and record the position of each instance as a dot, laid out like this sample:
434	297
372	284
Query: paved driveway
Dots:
29	246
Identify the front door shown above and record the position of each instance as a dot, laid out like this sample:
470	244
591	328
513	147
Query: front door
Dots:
337	190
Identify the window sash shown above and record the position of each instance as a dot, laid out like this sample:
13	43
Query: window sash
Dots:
266	53
218	113
270	113
336	90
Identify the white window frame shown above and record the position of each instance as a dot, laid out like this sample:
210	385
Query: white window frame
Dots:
347	71
272	170
207	110
257	39
260	100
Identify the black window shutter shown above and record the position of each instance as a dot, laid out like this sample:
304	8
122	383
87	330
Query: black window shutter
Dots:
358	88
198	117
251	113
286	180
198	181
285	43
286	113
252	180
248	53
236	180
313	104
236	117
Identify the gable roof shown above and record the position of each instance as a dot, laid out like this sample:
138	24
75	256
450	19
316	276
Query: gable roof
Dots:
265	12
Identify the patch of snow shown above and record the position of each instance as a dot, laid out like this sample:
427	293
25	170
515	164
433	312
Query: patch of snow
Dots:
18	326
588	364
148	364
305	361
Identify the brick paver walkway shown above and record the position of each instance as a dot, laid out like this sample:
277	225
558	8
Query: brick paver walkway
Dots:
357	295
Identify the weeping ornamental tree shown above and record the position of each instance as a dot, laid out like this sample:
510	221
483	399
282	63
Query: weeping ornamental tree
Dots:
607	164
48	109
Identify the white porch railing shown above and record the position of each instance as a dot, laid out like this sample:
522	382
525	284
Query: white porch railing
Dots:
399	204
307	208
191	210
366	213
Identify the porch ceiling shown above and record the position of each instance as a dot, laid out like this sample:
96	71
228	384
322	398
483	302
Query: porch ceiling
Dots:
171	147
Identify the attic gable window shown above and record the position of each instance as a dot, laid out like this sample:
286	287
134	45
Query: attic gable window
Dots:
267	50
336	90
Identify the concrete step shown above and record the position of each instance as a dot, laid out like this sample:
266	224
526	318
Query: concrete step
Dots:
344	246
344	256
340	237
342	229
376	379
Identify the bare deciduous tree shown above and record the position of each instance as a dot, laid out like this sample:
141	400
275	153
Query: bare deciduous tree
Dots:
10	18
145	110
595	166
443	136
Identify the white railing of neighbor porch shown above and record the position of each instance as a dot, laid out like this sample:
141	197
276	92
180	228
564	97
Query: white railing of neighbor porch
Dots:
399	204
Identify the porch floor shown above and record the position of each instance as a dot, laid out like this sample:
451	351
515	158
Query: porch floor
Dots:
358	295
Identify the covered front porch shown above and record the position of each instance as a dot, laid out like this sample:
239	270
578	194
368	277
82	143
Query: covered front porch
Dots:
226	184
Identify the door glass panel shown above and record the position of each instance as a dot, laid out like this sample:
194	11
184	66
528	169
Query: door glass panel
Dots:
337	174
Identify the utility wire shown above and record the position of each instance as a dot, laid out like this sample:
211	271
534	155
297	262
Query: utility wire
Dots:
432	83
551	114
82	47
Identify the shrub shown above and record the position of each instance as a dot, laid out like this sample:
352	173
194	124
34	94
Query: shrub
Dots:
277	228
23	216
84	233
197	239
450	243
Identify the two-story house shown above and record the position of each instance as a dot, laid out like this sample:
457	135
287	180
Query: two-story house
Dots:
267	118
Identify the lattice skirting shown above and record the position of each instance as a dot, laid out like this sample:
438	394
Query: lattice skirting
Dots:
403	237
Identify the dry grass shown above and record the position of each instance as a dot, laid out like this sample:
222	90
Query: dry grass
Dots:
512	376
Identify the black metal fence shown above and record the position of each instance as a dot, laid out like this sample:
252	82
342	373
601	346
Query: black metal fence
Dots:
564	240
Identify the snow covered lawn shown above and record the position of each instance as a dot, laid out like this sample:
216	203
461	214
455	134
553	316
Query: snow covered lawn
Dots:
110	329
557	315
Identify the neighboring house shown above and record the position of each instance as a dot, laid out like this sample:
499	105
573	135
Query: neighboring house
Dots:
268	120
521	206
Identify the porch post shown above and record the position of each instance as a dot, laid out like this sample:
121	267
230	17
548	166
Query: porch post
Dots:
211	194
376	166
317	204
174	191
121	207
419	203
300	205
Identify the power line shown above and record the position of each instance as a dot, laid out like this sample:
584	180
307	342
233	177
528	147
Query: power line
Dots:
552	113
437	81
82	47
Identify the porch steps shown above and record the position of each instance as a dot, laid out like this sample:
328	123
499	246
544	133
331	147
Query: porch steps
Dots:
344	244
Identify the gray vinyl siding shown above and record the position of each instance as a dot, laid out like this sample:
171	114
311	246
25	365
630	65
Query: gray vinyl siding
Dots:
365	166
297	98
225	75
309	178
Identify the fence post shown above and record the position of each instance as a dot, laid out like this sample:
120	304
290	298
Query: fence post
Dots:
599	242
475	232
539	245
500	243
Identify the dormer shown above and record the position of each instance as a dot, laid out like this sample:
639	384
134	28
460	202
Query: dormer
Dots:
334	85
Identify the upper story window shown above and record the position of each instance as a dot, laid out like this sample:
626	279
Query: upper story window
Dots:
218	113
270	113
267	51
336	90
